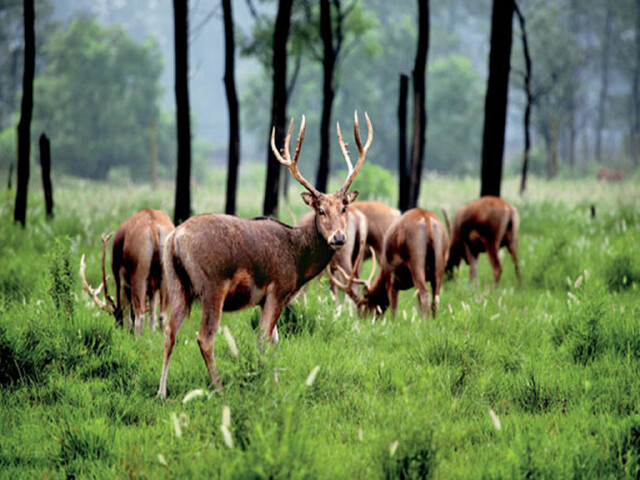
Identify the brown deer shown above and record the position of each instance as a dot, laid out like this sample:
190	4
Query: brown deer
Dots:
367	222
136	263
415	252
484	225
230	263
610	174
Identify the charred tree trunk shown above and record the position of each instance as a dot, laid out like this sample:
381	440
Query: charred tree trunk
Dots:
278	104
232	101
403	174
45	163
604	86
527	108
419	100
26	112
183	179
495	107
328	93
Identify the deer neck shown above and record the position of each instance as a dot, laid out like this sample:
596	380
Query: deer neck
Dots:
312	251
377	296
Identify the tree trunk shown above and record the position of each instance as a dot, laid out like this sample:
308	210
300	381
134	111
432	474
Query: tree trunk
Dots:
419	99
328	65
495	107
604	85
527	109
45	163
403	174
278	105
26	112
183	180
232	101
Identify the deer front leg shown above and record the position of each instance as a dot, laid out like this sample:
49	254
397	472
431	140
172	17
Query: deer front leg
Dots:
492	253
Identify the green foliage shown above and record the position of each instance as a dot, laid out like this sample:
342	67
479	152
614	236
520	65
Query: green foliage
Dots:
96	99
62	279
454	108
412	458
373	183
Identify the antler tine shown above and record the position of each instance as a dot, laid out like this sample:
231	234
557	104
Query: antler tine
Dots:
292	165
373	268
345	288
345	153
93	293
111	304
362	151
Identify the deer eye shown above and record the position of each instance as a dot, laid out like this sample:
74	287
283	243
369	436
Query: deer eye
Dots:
320	211
344	209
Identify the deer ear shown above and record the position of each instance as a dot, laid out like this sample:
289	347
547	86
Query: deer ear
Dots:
307	198
351	196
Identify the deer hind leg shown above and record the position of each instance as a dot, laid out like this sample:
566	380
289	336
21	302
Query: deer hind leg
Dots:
512	247
180	306
211	315
270	313
138	300
154	300
164	305
124	305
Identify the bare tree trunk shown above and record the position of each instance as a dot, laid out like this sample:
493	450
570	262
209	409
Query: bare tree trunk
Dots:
278	104
495	107
604	87
45	162
403	174
232	101
527	109
183	181
418	143
26	112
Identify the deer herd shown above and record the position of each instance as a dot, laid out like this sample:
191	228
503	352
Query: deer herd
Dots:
229	263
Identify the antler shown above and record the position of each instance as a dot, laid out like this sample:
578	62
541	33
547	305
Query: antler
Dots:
351	277
362	151
292	165
109	306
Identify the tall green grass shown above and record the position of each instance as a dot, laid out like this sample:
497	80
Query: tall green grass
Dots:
537	381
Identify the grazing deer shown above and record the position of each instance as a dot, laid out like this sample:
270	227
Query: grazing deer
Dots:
230	263
136	263
610	174
484	225
369	221
415	252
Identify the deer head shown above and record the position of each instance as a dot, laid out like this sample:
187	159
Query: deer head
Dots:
330	208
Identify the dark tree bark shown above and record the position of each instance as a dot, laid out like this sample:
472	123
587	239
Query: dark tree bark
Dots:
604	86
183	179
26	112
328	93
45	163
10	177
495	107
278	105
232	101
635	133
529	101
403	174
419	133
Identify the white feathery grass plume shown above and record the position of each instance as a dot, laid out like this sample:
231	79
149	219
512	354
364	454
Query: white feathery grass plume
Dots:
226	435
360	434
569	281
198	392
495	317
404	315
578	282
226	416
495	419
450	309
356	327
233	348
162	461
312	376
184	420
177	428
393	447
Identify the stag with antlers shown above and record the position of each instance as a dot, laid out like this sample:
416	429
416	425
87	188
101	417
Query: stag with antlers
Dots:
230	263
136	263
415	252
484	225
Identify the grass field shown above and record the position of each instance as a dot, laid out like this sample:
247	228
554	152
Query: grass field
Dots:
540	381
